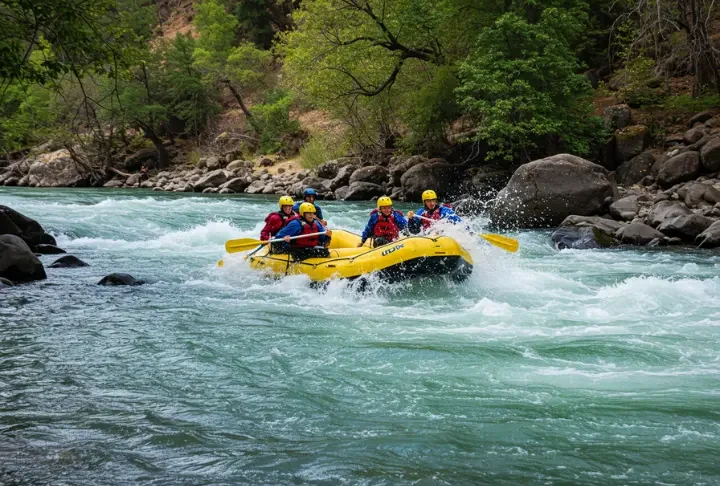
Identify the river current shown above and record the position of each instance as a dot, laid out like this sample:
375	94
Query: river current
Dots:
595	367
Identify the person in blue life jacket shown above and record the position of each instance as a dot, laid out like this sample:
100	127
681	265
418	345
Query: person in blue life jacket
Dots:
314	246
430	210
385	224
309	195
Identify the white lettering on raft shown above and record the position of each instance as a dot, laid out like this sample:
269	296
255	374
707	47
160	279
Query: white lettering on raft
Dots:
390	250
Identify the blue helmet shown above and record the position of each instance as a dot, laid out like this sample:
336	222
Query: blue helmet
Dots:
310	192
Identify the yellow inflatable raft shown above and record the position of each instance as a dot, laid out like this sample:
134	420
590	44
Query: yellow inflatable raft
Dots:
409	257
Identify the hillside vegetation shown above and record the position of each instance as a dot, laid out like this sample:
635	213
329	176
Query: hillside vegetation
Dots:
478	80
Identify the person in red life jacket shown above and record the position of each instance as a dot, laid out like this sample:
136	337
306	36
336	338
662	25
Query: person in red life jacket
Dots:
314	246
277	220
430	210
309	195
385	224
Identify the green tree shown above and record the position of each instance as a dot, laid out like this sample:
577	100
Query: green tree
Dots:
240	68
521	86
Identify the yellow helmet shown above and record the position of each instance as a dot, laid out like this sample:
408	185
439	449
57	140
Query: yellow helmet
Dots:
307	207
429	194
384	201
286	201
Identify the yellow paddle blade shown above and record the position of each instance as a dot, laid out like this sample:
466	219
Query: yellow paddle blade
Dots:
507	244
241	244
221	263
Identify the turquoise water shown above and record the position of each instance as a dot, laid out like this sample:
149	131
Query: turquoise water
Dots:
545	367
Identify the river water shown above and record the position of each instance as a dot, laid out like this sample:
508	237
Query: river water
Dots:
545	367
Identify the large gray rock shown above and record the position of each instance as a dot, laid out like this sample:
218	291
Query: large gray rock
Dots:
57	169
29	230
694	135
341	192
544	192
214	163
625	209
633	171
362	191
443	178
586	238
617	117
698	194
710	155
637	234
120	279
374	174
401	166
215	178
680	168
236	165
343	177
665	210
68	261
256	187
17	261
701	117
631	141
487	180
606	226
710	238
686	227
237	184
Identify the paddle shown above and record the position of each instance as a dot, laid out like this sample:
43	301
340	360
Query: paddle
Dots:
504	242
245	244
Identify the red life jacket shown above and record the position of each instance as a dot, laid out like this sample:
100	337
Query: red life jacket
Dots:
274	223
310	241
434	214
286	218
385	226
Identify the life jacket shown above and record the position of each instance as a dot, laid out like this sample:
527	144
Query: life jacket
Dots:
385	226
271	227
286	218
310	241
434	214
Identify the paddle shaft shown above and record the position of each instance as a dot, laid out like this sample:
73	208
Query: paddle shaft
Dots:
507	244
292	237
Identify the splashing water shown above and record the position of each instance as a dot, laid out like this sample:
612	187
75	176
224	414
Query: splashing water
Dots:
545	367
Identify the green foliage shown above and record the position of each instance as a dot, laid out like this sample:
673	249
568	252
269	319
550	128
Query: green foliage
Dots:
636	79
321	147
692	104
24	116
525	93
273	118
260	19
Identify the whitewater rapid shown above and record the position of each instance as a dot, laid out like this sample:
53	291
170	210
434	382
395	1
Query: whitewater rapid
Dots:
546	366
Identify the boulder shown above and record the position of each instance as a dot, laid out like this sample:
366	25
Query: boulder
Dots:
441	177
342	178
374	174
238	184
48	250
699	194
701	117
635	169
605	225
625	209
256	187
398	168
120	279
114	183
215	178
320	185
710	155
147	184
665	210
213	163
673	140
631	141
17	261
680	168
567	237
5	283
238	165
68	261
265	162
226	191
132	180
694	135
617	117
687	226
546	191
341	192
15	223
638	234
361	191
145	156
710	238
57	169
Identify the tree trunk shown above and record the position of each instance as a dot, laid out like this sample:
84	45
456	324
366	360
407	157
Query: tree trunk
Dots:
163	157
251	119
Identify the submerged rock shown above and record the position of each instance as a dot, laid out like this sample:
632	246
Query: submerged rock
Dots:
581	238
638	234
120	279
5	283
710	238
68	261
48	250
